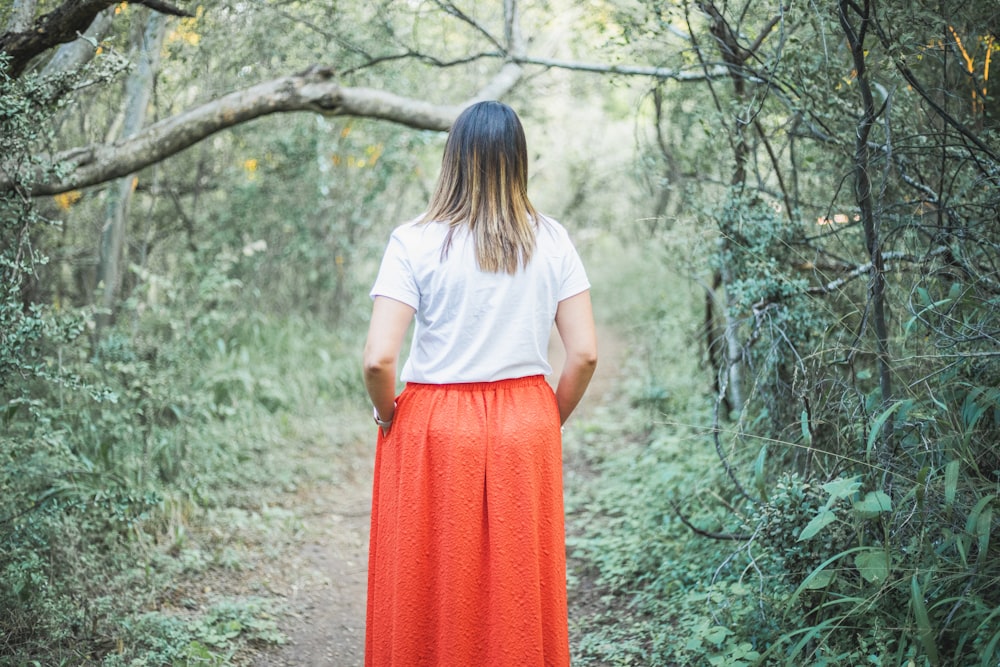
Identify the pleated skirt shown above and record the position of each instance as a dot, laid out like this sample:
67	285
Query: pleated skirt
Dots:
467	559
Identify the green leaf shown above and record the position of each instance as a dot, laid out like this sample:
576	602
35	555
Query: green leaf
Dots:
950	482
926	633
841	488
759	473
717	635
823	519
873	565
874	503
920	489
956	291
790	603
994	644
878	424
818	580
972	409
991	650
12	408
804	423
983	525
973	519
809	635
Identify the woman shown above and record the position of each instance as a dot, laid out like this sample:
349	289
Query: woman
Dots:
467	561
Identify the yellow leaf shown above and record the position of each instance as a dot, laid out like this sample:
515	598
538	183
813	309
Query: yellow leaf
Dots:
65	200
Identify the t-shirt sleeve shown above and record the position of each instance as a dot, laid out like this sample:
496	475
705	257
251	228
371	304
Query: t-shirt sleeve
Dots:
574	276
395	276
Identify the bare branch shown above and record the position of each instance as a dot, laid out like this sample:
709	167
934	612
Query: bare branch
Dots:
852	274
512	28
865	199
450	8
865	269
764	33
637	70
661	73
504	80
735	537
422	57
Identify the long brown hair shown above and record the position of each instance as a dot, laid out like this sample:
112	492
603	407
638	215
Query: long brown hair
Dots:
484	186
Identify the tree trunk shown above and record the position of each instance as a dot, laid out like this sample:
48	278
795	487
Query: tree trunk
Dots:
735	57
138	93
21	15
76	54
863	194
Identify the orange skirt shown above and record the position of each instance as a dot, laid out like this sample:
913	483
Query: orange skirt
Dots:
467	559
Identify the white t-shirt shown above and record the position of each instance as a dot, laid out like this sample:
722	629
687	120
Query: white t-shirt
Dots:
471	325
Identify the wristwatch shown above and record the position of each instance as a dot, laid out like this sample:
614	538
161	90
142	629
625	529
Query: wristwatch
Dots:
383	424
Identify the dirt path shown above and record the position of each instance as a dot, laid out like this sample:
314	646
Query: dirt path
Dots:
323	577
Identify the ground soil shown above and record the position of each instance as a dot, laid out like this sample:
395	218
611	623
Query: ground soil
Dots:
321	574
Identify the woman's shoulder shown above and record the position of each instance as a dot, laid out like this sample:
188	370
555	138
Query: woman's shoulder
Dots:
408	227
418	229
550	229
419	240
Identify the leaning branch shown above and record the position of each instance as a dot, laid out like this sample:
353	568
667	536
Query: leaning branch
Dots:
865	269
854	273
315	90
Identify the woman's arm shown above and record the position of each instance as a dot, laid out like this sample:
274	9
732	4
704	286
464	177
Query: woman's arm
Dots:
386	329
575	323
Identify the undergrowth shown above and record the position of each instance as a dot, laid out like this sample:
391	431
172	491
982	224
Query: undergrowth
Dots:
832	563
118	517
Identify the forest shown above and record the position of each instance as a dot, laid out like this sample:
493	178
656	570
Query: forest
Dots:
790	216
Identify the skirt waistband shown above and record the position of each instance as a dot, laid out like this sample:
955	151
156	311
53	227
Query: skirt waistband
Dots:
508	383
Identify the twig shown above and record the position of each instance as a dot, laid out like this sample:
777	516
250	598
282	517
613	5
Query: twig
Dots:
734	537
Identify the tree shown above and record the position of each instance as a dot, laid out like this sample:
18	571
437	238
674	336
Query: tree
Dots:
861	260
138	92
